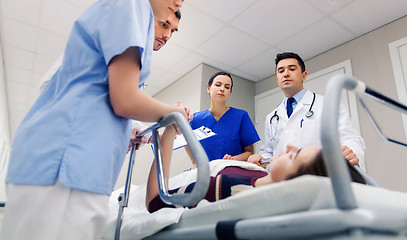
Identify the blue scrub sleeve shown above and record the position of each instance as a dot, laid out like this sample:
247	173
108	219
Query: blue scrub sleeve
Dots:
248	133
125	23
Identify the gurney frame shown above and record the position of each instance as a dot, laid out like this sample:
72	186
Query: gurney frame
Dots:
200	157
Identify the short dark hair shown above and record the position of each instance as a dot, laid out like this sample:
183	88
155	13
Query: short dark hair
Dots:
178	14
317	167
285	55
220	73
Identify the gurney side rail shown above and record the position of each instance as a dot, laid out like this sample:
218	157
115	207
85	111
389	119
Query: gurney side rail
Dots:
186	199
330	139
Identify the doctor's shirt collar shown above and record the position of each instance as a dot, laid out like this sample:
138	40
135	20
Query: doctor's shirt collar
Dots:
297	98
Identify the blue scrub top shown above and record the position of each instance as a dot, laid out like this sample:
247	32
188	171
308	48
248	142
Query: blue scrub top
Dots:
234	131
71	133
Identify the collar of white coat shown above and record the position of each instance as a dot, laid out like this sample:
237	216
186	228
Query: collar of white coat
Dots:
305	100
298	97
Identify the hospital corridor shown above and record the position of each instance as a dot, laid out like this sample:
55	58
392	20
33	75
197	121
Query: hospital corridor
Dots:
203	119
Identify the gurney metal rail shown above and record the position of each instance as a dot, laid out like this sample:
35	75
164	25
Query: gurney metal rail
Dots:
332	152
346	221
200	157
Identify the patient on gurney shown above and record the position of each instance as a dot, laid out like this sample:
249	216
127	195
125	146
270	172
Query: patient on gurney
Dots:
232	179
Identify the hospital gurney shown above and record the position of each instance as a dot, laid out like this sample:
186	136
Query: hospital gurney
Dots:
186	199
308	207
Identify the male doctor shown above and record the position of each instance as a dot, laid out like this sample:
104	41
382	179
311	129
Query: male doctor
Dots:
295	122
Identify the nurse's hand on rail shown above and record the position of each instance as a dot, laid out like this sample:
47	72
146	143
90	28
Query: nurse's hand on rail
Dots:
186	111
135	140
228	157
350	155
255	158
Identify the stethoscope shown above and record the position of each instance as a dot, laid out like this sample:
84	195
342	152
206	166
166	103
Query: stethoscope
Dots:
277	119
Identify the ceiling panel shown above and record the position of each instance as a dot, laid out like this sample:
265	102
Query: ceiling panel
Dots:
317	38
82	3
360	19
261	66
216	8
212	61
58	16
17	74
26	11
187	63
155	75
19	88
18	99
273	21
50	44
244	75
168	56
165	80
17	34
195	28
18	57
42	63
330	6
231	46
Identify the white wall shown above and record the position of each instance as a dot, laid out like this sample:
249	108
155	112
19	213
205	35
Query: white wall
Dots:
4	130
371	63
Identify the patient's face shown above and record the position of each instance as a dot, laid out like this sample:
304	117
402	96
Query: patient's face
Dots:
287	163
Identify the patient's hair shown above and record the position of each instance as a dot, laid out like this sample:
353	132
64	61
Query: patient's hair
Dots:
220	73
285	55
318	168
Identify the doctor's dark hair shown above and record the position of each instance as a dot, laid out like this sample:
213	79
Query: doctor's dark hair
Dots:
178	14
220	73
285	55
317	167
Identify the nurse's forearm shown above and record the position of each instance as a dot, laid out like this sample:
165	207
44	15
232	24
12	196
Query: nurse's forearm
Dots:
125	96
243	156
247	151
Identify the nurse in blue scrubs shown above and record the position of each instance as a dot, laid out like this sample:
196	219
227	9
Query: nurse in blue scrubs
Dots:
235	132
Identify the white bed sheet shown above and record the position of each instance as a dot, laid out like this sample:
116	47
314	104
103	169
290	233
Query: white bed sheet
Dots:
138	222
297	195
301	194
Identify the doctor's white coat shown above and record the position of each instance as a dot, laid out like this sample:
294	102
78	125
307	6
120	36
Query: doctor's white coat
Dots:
301	131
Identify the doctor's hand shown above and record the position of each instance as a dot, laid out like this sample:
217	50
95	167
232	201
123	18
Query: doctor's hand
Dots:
137	141
255	158
228	157
350	155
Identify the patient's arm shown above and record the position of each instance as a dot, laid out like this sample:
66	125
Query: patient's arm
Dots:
167	142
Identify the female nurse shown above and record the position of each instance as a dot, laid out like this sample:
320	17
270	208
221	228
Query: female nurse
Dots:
235	132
